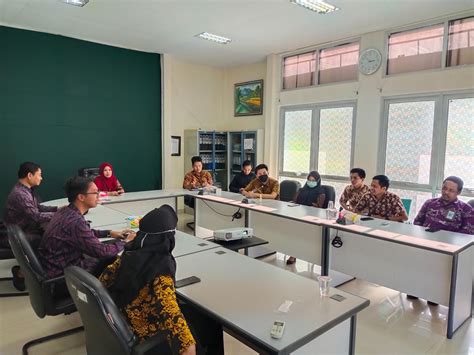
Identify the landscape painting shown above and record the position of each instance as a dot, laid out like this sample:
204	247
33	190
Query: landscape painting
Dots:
248	98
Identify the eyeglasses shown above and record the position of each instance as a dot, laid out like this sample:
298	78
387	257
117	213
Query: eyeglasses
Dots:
92	193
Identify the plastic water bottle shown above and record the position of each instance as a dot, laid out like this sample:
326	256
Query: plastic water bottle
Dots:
331	212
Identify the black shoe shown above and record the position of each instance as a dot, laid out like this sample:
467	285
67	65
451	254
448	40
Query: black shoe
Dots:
433	303
411	297
291	260
18	282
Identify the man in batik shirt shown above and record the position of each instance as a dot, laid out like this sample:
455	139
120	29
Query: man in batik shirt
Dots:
353	193
380	203
23	209
447	212
68	237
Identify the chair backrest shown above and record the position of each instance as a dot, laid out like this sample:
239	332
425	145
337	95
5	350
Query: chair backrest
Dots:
5	249
30	266
88	172
106	329
288	189
471	203
407	205
330	195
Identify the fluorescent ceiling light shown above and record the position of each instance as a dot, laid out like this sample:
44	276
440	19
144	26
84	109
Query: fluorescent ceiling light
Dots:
214	38
79	3
320	7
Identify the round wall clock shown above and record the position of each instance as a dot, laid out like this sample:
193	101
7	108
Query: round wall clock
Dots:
370	61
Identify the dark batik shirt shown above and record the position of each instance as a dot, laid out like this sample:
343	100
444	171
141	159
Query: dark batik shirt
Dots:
240	181
456	216
22	208
68	238
351	196
388	206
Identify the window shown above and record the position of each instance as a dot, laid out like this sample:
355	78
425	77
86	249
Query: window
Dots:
297	141
414	50
427	139
335	141
334	64
459	157
298	70
338	63
317	138
460	42
409	141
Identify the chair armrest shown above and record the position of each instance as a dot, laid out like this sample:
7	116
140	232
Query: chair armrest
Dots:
54	280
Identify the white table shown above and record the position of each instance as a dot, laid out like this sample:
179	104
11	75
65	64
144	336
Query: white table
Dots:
417	264
244	295
434	266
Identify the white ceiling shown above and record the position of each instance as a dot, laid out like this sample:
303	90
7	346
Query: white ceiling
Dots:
256	27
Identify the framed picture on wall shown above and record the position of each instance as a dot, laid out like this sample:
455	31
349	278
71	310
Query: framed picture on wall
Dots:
248	98
175	146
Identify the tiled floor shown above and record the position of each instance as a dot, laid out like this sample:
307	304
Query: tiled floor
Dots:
391	325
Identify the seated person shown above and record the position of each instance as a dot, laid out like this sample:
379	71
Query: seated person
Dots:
68	237
243	178
380	203
23	209
311	194
262	186
196	178
142	284
107	181
447	212
352	194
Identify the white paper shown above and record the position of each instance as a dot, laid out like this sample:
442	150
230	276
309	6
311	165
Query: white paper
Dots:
248	144
285	306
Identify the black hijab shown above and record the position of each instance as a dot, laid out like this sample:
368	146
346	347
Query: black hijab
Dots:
147	256
308	195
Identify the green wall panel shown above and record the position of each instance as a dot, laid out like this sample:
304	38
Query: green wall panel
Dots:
67	104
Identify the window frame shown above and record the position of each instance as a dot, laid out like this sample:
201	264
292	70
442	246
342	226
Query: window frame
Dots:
445	21
439	139
316	49
315	133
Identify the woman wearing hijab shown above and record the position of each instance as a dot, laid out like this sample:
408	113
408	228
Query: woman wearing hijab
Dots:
107	181
311	194
142	284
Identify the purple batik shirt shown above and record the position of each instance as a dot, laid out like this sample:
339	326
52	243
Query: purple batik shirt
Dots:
456	216
68	238
22	208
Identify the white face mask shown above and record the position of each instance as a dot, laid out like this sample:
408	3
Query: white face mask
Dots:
146	235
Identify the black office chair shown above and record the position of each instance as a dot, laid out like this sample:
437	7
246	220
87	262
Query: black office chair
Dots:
330	195
7	254
471	203
90	173
40	288
106	329
288	189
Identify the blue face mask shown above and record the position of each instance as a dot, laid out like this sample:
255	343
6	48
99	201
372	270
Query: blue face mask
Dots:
311	184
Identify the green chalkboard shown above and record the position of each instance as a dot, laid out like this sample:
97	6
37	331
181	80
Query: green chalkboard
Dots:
67	104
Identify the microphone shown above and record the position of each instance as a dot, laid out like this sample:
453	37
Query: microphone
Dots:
340	219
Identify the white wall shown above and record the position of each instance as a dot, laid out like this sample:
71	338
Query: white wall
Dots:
369	92
199	96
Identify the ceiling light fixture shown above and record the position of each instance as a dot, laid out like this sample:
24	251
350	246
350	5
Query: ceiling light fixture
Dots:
79	3
214	38
320	7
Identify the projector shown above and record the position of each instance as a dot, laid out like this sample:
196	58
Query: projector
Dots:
233	234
